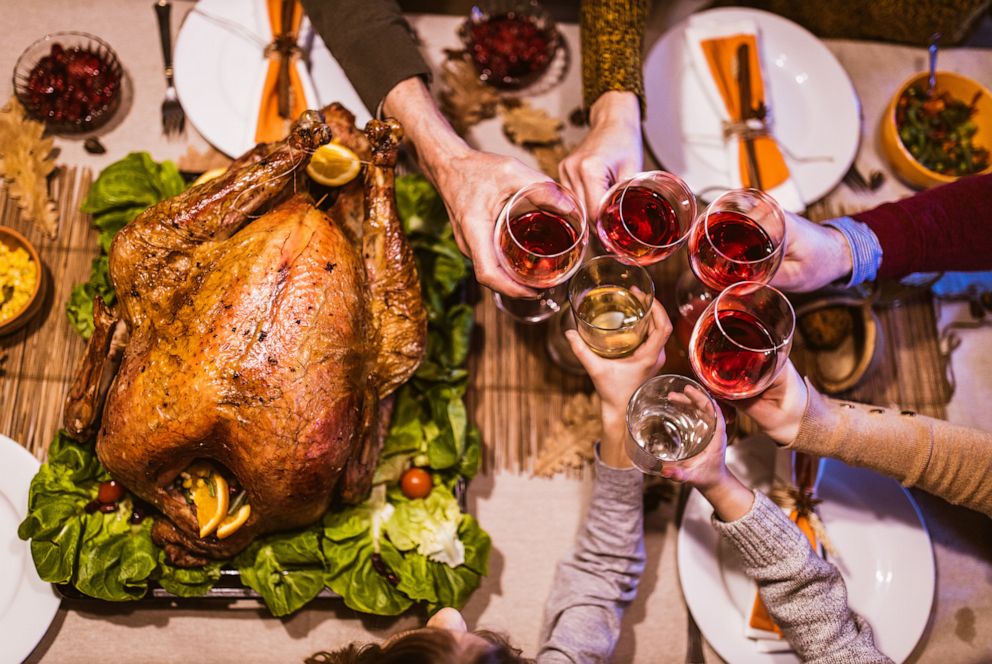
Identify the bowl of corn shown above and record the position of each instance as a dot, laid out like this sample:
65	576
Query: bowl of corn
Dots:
21	279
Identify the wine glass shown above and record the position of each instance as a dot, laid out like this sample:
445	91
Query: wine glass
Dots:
740	237
742	340
647	217
669	418
540	236
610	300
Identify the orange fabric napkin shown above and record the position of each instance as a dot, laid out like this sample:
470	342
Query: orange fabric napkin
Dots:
759	618
271	126
721	57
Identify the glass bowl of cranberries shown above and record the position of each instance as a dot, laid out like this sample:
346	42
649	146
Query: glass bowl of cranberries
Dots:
71	81
511	42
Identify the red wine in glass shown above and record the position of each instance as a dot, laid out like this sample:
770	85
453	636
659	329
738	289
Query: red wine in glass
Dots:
727	247
735	359
540	247
646	218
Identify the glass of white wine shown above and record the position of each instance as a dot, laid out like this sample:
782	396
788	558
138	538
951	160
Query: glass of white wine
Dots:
669	418
610	299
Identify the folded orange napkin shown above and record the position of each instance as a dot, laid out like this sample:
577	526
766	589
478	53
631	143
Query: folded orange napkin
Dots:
796	478
271	125
713	45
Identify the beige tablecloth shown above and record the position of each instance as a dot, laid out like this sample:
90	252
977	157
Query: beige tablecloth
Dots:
532	522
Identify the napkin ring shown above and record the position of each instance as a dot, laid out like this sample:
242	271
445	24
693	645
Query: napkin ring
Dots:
748	129
792	499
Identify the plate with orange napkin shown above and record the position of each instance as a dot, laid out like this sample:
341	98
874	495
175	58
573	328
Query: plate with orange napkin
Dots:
742	97
883	551
227	75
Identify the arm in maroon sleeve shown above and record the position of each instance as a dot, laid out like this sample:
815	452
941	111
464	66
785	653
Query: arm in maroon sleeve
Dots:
945	228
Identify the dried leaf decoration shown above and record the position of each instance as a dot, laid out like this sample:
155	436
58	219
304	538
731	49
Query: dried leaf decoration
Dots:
572	437
527	125
548	157
25	162
465	99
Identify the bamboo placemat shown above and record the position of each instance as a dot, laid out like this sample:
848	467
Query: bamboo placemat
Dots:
41	357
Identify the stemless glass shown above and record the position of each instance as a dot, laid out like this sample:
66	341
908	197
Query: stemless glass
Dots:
611	300
669	418
647	217
742	340
740	237
540	235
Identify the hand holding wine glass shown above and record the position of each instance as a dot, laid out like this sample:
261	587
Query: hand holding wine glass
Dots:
815	256
539	237
610	300
779	410
707	471
616	380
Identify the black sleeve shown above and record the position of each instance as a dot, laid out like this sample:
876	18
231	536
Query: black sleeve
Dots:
371	41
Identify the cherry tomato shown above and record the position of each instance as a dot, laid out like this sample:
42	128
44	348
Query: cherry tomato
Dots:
110	492
416	483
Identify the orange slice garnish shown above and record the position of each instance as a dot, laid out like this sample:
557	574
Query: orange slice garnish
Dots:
209	492
230	525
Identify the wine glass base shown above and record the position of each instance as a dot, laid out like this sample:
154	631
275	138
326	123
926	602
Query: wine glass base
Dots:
532	312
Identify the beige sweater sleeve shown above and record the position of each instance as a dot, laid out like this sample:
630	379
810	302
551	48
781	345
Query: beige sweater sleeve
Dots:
949	461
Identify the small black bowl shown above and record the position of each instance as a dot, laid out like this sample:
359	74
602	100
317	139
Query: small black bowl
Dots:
511	42
71	81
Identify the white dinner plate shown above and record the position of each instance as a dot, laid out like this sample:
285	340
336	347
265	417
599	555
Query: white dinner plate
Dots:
815	110
27	604
886	558
220	66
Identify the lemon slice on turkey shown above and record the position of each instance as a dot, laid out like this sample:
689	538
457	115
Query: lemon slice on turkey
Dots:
209	492
333	165
230	525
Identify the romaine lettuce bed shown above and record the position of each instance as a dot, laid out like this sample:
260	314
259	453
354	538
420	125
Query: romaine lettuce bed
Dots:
381	556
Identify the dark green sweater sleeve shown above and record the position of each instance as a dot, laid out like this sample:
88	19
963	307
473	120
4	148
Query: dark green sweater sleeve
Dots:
372	42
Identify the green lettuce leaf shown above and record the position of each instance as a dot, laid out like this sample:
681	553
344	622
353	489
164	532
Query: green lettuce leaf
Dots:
351	574
429	525
187	582
79	308
116	558
286	569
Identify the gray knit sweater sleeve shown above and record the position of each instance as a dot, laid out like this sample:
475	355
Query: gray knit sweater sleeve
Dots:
804	594
596	583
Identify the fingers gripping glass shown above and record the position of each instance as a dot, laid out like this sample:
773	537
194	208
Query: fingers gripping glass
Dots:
540	236
611	300
669	418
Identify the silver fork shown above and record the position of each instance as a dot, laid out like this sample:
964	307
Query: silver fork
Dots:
173	117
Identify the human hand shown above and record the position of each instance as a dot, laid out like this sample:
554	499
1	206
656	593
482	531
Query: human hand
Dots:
707	471
815	256
610	152
474	185
779	410
617	379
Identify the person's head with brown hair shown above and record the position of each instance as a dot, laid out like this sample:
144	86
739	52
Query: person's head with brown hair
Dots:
445	640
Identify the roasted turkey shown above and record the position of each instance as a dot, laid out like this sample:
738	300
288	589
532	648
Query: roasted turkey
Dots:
257	336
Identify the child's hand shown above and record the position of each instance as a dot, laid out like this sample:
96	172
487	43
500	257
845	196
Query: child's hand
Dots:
707	471
616	380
